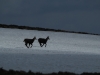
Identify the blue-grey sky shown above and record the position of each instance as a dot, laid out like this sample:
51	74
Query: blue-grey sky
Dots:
72	15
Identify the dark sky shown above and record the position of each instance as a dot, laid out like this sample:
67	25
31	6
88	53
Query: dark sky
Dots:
73	15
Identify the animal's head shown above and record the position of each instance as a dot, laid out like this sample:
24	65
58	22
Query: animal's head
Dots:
48	38
34	38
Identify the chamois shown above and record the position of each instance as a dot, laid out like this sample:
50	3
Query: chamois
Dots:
29	41
43	41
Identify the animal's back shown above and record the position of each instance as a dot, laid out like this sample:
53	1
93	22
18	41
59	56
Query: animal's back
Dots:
41	40
28	40
25	40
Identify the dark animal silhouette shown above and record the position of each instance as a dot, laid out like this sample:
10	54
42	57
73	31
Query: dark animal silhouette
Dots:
43	41
29	41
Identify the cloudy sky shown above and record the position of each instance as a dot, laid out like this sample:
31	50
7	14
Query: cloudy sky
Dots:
73	15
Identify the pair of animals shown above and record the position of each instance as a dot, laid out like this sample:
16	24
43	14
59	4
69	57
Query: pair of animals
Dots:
42	41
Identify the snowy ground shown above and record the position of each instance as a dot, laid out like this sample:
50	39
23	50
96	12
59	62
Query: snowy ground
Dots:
64	52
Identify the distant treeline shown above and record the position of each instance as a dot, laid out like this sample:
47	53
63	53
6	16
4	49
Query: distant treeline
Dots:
41	29
12	72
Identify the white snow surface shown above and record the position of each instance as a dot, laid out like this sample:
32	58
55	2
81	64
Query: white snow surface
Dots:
70	52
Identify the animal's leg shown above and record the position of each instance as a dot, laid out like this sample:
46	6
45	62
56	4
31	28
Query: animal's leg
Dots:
45	45
42	45
26	45
31	45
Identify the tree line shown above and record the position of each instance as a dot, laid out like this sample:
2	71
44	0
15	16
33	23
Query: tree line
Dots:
13	72
41	29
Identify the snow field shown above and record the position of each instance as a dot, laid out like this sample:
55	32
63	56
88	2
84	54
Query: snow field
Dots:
64	52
